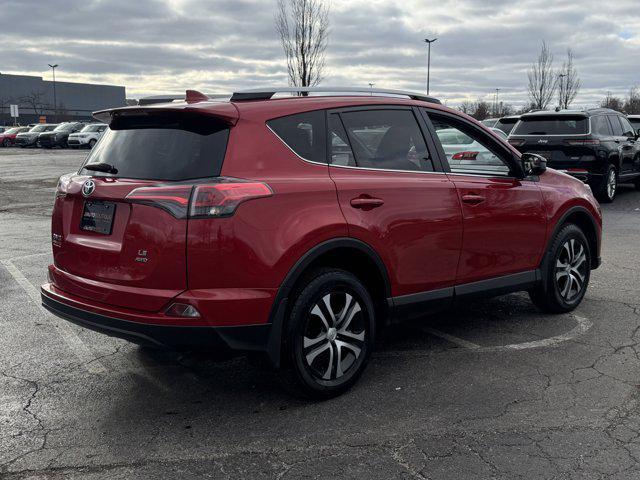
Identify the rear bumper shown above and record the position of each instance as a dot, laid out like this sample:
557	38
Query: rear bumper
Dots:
158	333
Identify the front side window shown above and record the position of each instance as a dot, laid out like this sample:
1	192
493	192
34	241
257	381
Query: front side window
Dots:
600	126
467	149
615	125
304	133
386	139
626	127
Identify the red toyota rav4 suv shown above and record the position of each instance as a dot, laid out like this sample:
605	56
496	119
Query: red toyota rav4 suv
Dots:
298	226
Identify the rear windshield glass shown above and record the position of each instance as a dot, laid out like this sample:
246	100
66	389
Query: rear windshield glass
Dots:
162	147
506	124
560	125
93	128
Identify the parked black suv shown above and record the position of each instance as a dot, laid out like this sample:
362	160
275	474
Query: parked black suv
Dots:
60	135
598	146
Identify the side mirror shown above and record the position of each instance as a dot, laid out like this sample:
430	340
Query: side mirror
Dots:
533	164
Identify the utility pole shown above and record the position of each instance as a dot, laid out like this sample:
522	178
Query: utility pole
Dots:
55	102
429	42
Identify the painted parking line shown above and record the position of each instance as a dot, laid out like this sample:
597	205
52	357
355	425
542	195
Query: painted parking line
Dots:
64	329
583	325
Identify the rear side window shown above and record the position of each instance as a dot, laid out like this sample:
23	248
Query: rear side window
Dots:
506	124
600	126
162	147
549	125
387	139
304	133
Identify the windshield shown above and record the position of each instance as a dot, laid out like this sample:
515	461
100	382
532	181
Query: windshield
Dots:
162	147
558	125
64	127
92	128
13	130
38	128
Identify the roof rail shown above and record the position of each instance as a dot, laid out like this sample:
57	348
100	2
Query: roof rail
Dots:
267	93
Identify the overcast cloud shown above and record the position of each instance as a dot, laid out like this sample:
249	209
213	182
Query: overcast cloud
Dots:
154	46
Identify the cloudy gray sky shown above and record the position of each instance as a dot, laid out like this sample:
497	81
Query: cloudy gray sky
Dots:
156	46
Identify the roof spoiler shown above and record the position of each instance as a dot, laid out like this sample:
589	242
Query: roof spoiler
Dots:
195	102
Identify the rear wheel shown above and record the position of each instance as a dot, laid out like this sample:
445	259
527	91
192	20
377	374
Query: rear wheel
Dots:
6	142
329	335
566	273
608	188
92	142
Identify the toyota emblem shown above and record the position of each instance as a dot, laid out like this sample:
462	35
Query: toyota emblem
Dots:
88	187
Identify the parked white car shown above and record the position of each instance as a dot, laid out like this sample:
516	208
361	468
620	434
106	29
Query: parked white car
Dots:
88	136
466	154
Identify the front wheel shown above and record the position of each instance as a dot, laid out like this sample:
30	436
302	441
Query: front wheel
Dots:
566	273
92	143
6	142
329	335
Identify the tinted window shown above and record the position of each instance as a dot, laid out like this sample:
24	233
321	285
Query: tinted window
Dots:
615	125
303	133
559	125
626	127
387	139
506	124
39	128
341	153
160	147
635	123
476	154
600	126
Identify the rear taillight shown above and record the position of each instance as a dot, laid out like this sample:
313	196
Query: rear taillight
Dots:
587	141
464	156
63	184
173	199
206	200
222	199
516	142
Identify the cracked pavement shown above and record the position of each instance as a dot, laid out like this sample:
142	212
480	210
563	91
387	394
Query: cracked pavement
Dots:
426	408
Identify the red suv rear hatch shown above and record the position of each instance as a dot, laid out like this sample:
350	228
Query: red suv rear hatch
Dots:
117	241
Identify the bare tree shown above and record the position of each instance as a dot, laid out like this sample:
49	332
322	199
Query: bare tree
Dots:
569	82
632	102
34	99
501	109
614	103
542	79
303	27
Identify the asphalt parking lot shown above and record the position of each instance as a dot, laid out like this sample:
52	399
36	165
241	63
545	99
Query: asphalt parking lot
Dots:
492	389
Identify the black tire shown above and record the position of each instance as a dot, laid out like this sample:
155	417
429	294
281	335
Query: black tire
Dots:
564	268
6	143
92	143
636	183
606	191
316	335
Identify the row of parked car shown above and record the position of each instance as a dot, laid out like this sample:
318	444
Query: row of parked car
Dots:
49	135
599	146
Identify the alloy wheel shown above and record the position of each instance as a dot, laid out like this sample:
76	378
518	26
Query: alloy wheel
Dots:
571	269
334	335
612	184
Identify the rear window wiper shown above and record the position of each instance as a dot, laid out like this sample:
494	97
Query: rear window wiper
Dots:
101	167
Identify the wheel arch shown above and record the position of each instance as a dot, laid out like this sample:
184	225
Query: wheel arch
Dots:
346	253
581	217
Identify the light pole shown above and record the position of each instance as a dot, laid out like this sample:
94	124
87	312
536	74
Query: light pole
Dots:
55	102
371	87
429	42
561	95
497	101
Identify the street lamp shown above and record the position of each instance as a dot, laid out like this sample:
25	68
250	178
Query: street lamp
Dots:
55	103
562	95
429	42
497	101
371	87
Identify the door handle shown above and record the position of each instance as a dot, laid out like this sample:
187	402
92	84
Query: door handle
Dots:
472	199
366	203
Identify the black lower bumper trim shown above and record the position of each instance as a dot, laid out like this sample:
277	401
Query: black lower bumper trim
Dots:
246	338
